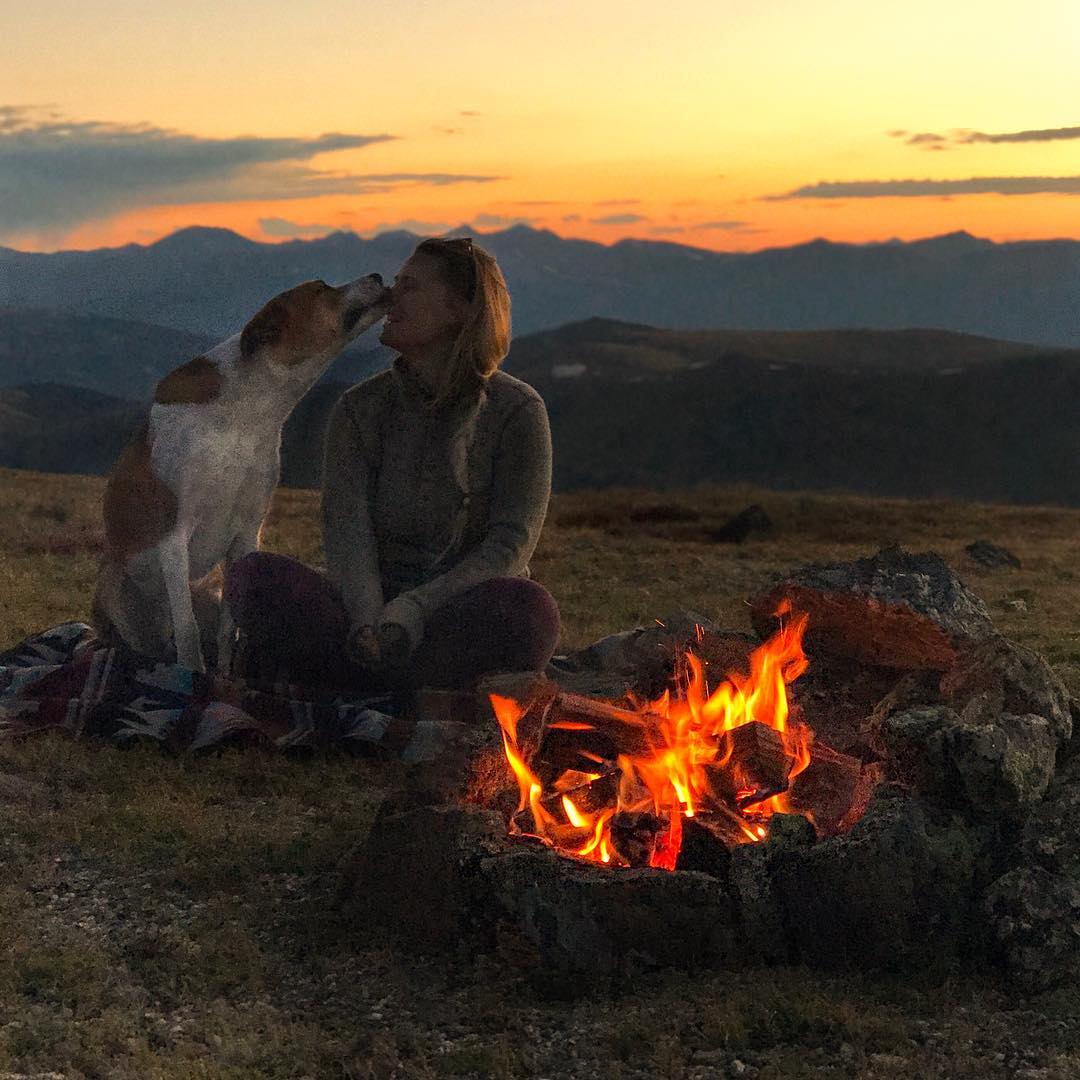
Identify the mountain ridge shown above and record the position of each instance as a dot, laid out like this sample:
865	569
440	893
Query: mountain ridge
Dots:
210	280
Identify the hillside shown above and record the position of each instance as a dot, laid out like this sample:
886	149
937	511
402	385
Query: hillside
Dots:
209	281
181	915
121	357
910	413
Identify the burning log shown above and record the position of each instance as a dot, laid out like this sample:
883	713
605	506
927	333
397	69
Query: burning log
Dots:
635	836
752	765
588	735
831	787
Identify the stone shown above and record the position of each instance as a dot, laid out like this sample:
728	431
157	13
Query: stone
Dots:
1035	917
1034	909
998	676
893	893
415	874
894	609
991	556
593	925
993	770
747	523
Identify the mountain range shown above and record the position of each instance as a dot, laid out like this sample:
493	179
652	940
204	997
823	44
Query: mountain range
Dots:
208	282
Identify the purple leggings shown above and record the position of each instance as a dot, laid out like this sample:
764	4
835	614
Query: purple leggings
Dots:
291	618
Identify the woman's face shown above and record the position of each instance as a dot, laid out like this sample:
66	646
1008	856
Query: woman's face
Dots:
425	315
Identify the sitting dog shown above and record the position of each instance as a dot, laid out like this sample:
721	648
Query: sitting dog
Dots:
192	488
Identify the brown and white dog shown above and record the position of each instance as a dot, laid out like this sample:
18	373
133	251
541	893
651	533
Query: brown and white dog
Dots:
192	488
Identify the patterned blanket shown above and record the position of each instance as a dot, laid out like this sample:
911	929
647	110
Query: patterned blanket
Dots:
66	680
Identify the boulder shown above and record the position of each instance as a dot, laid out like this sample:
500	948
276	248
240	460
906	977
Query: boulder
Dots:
894	609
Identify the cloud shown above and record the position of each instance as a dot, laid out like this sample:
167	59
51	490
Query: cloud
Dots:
56	173
930	140
618	202
1034	135
617	219
410	225
976	185
570	218
488	221
275	226
726	226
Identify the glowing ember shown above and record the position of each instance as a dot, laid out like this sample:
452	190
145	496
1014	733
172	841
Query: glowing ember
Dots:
726	757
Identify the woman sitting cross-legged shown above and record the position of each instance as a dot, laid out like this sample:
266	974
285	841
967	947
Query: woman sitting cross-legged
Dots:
436	483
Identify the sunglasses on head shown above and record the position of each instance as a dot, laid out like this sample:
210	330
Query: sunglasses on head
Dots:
457	246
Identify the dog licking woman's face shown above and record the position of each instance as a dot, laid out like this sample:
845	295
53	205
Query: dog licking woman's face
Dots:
425	315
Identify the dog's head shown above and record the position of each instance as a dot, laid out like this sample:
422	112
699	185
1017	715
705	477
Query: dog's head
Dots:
314	320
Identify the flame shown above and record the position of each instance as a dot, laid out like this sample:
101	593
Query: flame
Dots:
685	744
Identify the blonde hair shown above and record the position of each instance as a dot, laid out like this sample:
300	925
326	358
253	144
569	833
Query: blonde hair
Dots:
484	339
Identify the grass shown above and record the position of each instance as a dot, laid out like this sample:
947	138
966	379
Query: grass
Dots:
178	917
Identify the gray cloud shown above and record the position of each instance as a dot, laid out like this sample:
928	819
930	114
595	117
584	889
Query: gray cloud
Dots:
929	140
1034	135
617	219
56	173
275	226
727	226
411	225
489	221
976	185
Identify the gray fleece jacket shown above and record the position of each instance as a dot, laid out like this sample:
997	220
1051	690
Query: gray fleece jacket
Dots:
420	504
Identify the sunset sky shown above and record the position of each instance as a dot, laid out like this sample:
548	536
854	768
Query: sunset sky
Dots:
728	124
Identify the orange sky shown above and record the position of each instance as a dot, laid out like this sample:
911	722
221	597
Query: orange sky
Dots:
720	123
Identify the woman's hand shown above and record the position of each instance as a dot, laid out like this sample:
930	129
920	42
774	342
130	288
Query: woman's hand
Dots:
394	646
362	648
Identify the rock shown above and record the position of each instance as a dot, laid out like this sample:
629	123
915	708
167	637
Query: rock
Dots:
895	609
993	770
753	521
1035	917
415	874
991	556
894	892
998	676
1034	909
590	924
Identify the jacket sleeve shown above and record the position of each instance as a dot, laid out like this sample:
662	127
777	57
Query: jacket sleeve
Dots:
520	492
352	562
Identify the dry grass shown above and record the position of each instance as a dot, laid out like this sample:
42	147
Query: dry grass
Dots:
176	917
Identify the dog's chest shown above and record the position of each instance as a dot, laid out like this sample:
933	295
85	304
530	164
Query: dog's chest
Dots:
221	466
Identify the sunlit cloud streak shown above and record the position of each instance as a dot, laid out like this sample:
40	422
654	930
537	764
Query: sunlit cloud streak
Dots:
617	219
56	173
908	189
930	140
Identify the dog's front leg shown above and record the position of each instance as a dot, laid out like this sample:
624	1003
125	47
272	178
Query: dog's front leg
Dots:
173	553
243	544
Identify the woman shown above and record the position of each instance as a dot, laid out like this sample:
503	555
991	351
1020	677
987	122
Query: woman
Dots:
436	483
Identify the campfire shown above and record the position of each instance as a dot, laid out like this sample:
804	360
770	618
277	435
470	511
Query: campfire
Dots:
620	785
905	798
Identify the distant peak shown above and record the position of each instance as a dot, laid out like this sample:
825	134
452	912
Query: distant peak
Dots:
204	236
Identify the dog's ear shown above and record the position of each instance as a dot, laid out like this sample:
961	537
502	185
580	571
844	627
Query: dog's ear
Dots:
264	330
